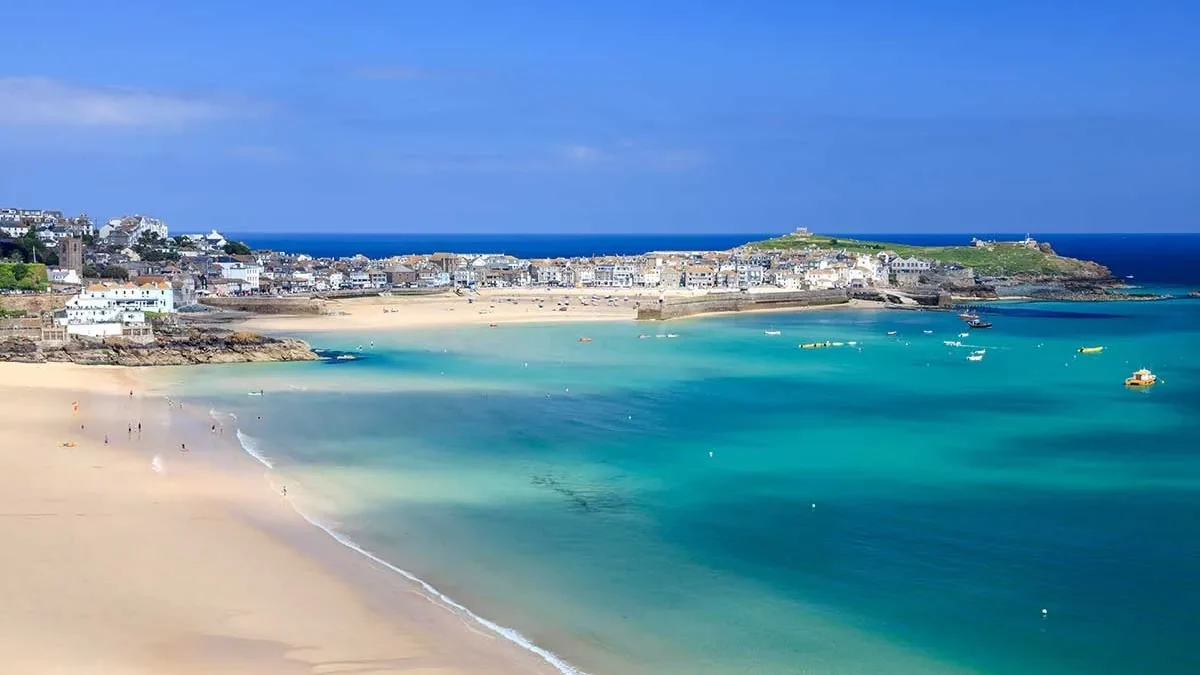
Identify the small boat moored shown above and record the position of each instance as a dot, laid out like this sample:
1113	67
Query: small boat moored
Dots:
1090	350
772	332
979	324
1141	378
975	357
585	339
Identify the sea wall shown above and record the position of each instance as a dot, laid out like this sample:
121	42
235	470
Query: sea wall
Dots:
674	308
269	305
34	304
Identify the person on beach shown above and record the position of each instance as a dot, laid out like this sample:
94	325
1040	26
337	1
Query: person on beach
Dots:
139	428
183	447
130	432
106	439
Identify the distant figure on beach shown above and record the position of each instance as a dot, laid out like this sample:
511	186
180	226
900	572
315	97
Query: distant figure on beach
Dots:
214	429
106	439
130	393
139	428
284	490
74	407
130	430
183	447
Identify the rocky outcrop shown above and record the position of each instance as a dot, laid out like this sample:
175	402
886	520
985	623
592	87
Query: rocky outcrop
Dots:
179	347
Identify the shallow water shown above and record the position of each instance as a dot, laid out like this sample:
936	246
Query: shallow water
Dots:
724	502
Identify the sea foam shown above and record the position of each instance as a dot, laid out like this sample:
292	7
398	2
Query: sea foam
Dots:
250	445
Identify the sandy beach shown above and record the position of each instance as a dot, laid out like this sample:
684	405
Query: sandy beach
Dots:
119	563
488	306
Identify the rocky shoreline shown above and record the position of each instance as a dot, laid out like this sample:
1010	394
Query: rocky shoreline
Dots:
177	347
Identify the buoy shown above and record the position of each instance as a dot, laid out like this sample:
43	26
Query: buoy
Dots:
710	453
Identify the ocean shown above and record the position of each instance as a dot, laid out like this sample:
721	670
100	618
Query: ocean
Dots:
1161	258
725	503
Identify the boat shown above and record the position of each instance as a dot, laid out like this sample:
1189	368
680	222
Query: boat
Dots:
979	352
975	357
952	343
927	332
772	332
672	335
1141	378
814	345
491	325
979	324
964	335
643	336
891	332
1090	350
836	344
967	316
585	339
345	357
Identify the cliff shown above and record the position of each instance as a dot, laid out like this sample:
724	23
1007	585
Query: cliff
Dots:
180	347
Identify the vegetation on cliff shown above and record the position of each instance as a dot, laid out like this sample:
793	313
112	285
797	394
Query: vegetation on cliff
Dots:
23	277
1001	259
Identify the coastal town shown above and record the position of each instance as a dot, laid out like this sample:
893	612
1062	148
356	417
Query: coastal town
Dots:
128	271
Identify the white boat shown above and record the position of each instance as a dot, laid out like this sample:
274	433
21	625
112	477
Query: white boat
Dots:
952	343
852	344
979	352
927	332
975	357
837	344
964	335
891	332
346	357
772	332
672	335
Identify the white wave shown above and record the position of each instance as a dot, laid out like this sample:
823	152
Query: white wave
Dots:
250	445
505	632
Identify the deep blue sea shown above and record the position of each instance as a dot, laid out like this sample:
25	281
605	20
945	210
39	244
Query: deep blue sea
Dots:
725	503
1151	258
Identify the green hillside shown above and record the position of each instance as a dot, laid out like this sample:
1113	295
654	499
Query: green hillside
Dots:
23	276
997	260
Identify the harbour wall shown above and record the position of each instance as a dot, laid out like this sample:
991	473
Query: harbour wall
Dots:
674	308
261	305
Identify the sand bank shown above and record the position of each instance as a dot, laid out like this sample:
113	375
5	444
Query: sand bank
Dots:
112	567
498	306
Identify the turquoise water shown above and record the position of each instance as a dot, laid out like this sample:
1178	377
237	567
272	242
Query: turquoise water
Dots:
889	507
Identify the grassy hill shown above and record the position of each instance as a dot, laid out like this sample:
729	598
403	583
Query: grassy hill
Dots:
997	260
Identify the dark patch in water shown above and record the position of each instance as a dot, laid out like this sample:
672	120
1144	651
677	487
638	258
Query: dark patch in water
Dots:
1046	313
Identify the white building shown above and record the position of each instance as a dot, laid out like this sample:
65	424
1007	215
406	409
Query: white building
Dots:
128	230
243	277
106	309
911	265
58	275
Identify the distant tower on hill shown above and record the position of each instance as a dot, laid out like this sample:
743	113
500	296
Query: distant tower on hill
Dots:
70	253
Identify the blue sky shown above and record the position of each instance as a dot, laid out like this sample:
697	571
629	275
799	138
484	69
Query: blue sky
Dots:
616	116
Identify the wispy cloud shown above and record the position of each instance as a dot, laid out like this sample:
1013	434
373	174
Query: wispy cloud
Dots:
37	101
583	154
627	154
393	73
260	153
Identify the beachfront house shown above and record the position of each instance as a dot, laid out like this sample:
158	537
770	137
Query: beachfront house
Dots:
107	310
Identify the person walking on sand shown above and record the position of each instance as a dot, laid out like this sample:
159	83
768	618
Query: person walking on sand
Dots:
106	439
183	447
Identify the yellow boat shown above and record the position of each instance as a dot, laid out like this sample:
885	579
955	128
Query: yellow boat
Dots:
1090	350
1141	378
814	345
